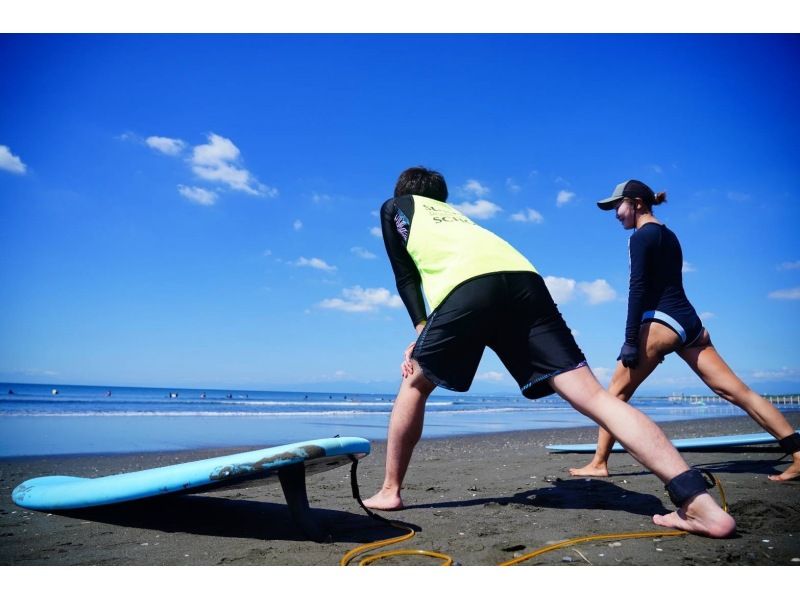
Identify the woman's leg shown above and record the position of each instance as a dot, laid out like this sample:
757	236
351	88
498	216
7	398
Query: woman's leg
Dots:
645	441
655	341
704	359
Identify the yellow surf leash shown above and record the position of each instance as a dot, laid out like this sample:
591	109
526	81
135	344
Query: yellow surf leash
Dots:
350	555
448	560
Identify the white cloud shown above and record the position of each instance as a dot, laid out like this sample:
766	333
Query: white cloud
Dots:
472	188
707	315
512	186
561	289
656	168
603	374
320	197
10	162
481	209
783	373
789	266
315	263
217	161
198	195
363	253
598	291
491	376
528	215
297	224
166	145
127	136
564	197
358	299
790	294
564	290
687	267
375	231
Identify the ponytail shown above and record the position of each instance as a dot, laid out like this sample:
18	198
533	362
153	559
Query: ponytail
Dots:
660	198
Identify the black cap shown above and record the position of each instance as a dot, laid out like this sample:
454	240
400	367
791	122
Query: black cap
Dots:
631	189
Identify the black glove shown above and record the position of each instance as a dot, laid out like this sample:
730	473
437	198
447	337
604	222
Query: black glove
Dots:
629	355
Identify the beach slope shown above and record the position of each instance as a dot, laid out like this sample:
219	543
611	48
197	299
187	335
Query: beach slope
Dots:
481	499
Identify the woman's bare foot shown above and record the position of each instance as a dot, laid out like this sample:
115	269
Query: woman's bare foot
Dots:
700	515
792	472
385	500
590	471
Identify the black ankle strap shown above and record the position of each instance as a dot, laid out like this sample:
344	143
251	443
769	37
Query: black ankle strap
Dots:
791	444
687	485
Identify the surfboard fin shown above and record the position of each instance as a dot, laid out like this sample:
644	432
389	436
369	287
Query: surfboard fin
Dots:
293	483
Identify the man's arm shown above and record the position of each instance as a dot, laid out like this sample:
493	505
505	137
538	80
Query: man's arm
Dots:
395	227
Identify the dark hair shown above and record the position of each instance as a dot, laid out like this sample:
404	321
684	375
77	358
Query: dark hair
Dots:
656	199
421	181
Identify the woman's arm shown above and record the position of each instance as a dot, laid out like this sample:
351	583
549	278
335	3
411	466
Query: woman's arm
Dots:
640	245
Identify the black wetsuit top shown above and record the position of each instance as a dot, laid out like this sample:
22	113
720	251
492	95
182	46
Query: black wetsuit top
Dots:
656	284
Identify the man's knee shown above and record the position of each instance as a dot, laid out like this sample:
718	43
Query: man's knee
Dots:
418	381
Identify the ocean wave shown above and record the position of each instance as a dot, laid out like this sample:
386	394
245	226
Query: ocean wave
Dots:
381	410
197	401
439	408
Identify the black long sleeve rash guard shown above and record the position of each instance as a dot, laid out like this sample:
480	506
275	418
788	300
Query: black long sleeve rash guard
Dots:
396	217
656	281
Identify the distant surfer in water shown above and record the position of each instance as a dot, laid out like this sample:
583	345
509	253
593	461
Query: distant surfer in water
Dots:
661	321
483	292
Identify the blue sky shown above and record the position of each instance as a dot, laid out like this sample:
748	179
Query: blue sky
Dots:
200	211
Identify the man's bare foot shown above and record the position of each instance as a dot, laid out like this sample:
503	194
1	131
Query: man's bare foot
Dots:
590	471
700	515
792	472
385	501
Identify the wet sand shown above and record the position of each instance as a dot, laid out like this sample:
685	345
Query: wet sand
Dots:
481	499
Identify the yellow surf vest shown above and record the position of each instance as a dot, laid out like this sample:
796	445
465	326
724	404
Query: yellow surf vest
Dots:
448	248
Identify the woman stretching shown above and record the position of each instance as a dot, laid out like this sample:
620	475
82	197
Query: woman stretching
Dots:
661	320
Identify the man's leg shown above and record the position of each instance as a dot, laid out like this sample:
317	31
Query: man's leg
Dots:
655	341
647	444
405	430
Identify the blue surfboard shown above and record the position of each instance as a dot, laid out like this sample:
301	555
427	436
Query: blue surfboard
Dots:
288	463
680	443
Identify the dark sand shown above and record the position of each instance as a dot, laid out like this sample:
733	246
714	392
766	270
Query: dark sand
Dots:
480	499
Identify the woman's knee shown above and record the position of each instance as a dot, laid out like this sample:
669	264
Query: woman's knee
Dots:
622	387
703	340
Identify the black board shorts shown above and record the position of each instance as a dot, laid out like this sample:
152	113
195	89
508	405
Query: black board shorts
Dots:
513	314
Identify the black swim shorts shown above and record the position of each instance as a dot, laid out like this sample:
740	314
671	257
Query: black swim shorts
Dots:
513	314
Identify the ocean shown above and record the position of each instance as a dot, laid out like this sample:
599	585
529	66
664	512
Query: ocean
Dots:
38	419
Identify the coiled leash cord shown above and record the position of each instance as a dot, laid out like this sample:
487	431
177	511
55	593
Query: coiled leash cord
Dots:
350	555
447	560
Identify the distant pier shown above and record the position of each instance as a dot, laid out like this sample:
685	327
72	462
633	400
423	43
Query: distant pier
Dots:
777	400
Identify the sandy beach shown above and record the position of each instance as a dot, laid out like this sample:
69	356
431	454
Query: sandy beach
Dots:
481	499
